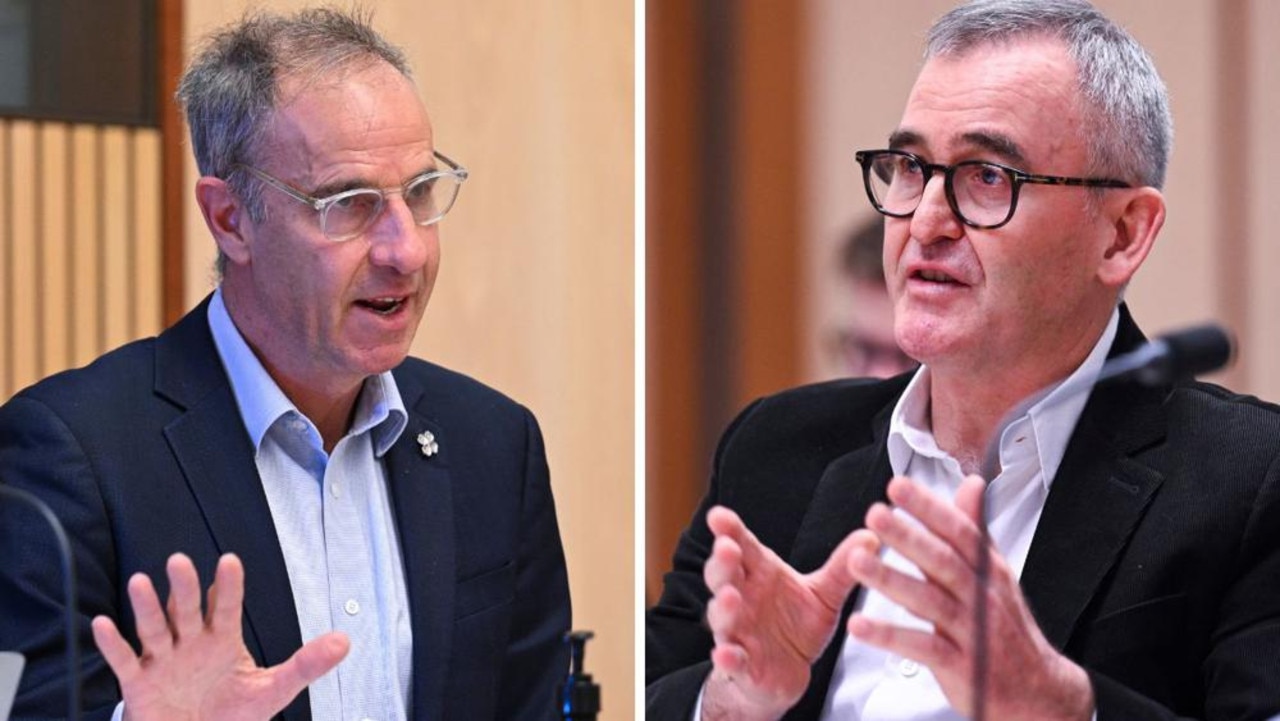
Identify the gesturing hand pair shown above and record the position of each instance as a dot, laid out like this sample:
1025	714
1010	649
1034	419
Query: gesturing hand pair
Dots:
195	666
770	623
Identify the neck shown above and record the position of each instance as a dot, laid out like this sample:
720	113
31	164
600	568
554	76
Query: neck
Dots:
967	405
327	402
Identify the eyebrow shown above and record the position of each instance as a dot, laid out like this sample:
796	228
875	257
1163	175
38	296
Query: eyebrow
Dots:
997	143
342	186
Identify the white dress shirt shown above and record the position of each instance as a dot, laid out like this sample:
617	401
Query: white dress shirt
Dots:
336	529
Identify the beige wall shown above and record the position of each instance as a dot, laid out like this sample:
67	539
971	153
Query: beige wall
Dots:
864	55
535	293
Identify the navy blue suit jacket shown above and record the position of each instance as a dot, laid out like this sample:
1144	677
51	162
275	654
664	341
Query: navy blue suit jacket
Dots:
1155	564
143	453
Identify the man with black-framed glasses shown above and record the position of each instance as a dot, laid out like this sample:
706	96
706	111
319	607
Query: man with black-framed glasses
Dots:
833	570
379	532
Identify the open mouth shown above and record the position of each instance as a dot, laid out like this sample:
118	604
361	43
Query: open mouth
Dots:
382	306
934	276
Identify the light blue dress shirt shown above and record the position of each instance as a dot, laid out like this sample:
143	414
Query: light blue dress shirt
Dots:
337	533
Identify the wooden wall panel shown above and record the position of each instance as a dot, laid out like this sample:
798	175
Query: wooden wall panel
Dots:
80	244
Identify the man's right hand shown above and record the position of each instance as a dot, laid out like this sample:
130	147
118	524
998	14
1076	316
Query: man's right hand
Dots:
770	622
196	667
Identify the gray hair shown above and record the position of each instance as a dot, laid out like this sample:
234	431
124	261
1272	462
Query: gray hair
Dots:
233	84
1128	128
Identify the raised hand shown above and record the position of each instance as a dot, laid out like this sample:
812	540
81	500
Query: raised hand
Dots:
1026	677
196	667
769	621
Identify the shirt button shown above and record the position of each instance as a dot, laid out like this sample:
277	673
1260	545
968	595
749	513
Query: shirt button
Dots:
352	607
908	668
336	490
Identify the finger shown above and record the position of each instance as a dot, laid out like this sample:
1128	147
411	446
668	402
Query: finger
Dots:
833	582
316	658
226	595
723	613
925	600
724	565
937	560
184	597
969	498
117	652
730	659
724	522
943	519
153	625
932	650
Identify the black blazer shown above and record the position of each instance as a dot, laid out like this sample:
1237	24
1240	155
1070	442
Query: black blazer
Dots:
143	453
1155	565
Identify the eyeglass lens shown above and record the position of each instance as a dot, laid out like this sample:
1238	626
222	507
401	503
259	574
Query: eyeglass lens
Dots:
428	199
982	192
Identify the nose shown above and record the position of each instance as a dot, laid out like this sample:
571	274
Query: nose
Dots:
396	241
934	219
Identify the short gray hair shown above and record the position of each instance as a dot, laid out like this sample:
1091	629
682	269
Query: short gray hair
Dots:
233	84
1128	127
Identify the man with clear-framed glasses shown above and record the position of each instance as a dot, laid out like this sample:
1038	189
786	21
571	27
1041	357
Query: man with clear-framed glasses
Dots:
379	532
832	571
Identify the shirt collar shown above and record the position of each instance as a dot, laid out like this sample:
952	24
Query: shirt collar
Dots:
379	408
1053	418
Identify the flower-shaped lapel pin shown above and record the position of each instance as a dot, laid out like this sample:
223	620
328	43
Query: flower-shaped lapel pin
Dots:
427	440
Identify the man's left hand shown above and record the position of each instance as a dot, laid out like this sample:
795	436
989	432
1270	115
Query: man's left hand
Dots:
1026	676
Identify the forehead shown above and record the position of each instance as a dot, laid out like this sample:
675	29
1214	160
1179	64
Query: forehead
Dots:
365	123
1019	101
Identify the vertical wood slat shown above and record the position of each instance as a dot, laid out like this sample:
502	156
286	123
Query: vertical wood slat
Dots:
113	193
6	282
85	282
23	338
147	264
53	310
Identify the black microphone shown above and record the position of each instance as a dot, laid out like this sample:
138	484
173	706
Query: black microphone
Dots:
69	588
1171	357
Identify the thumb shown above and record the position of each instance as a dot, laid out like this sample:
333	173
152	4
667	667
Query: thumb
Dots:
833	582
316	658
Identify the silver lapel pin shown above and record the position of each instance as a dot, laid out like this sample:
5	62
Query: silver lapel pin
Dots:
427	440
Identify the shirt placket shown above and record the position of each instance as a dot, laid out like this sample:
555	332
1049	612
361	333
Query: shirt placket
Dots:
353	607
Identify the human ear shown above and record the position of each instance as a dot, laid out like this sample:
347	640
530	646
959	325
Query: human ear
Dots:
1135	225
225	216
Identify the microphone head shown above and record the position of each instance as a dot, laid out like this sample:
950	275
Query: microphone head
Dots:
1198	350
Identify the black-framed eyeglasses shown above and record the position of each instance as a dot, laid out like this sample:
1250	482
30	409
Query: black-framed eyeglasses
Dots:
345	215
982	194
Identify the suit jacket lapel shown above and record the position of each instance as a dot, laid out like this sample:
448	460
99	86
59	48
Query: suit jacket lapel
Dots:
421	493
1099	495
216	458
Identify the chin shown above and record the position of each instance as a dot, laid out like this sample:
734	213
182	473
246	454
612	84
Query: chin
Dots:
379	360
930	343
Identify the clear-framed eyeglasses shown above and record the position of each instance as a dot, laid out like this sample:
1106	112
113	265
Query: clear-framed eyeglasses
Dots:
982	194
346	215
